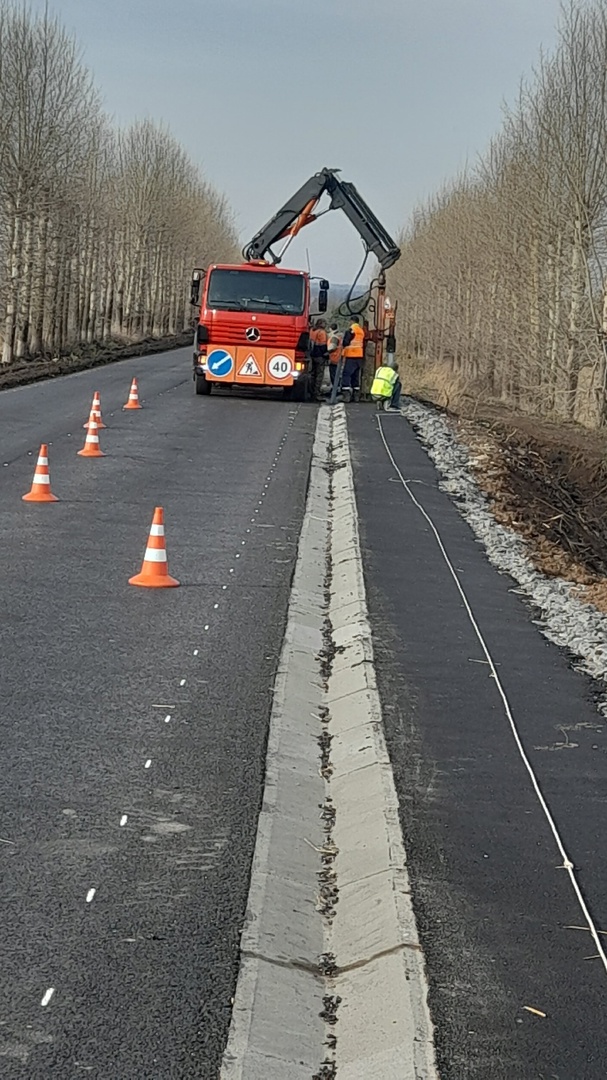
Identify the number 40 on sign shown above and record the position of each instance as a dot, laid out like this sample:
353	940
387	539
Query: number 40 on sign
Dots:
279	366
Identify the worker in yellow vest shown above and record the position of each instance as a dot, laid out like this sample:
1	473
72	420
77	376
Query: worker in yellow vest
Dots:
386	388
353	351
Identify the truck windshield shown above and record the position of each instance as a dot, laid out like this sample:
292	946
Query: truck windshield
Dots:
254	290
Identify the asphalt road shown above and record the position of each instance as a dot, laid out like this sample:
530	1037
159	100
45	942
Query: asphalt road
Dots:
133	722
492	900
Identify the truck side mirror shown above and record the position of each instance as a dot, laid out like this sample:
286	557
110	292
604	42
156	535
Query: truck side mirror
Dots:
323	297
324	285
197	276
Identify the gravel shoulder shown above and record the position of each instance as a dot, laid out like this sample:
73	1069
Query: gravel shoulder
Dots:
536	496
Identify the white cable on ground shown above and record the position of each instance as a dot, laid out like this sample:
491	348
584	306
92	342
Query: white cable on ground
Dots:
567	863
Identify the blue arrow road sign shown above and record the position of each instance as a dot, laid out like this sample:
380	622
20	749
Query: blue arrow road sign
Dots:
220	362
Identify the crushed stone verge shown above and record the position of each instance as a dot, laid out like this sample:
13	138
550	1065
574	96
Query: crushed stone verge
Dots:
563	617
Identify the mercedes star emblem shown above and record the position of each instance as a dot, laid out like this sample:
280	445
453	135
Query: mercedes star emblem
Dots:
252	334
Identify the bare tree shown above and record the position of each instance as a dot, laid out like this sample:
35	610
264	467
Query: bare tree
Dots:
504	274
98	228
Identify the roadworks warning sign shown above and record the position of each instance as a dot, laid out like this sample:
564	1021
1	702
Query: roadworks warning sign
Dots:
250	367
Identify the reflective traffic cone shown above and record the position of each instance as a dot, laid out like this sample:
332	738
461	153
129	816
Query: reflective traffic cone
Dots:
96	411
133	402
41	486
91	446
155	569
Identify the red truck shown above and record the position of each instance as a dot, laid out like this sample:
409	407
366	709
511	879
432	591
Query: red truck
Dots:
254	318
253	329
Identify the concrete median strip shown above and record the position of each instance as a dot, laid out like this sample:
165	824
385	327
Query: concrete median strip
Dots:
332	980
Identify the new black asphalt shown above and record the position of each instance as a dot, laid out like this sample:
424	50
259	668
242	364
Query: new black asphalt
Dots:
492	902
133	722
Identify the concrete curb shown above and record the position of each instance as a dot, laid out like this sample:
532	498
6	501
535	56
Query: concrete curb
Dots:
332	980
384	1028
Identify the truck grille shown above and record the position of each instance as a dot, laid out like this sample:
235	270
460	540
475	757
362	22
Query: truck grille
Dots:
271	336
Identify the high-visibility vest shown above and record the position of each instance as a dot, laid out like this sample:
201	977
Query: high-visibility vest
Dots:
318	341
383	383
334	347
356	349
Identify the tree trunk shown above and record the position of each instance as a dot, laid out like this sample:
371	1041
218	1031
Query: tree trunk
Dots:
575	307
12	269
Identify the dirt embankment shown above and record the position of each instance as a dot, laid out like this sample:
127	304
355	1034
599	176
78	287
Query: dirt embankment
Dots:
28	371
548	482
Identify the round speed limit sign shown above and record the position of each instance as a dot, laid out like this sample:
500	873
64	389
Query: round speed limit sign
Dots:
280	366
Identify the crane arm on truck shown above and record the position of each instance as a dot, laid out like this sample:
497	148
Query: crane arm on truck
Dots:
298	211
254	319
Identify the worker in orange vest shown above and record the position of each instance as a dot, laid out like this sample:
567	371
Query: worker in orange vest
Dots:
334	350
319	355
353	351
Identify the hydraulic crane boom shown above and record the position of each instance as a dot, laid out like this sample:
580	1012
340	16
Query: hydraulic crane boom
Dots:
299	211
254	319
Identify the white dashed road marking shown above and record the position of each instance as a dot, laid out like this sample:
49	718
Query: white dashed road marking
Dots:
124	818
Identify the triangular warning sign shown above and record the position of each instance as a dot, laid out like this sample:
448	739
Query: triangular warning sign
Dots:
250	366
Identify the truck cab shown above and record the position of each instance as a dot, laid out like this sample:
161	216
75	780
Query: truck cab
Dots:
252	328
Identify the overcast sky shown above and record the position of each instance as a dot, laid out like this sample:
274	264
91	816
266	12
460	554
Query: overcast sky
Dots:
399	94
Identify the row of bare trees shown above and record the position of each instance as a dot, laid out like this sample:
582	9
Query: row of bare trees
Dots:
99	228
504	273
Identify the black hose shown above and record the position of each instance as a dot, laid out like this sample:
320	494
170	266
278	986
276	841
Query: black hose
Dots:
363	300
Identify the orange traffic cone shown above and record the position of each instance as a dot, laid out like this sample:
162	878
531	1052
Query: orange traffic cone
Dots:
91	446
96	411
133	402
155	570
41	486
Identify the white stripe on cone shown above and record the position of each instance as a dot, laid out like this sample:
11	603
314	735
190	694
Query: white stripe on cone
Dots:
157	530
155	555
42	478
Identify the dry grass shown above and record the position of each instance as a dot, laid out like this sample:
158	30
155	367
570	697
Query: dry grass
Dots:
491	463
434	381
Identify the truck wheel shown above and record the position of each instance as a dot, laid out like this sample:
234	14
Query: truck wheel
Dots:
202	386
301	389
